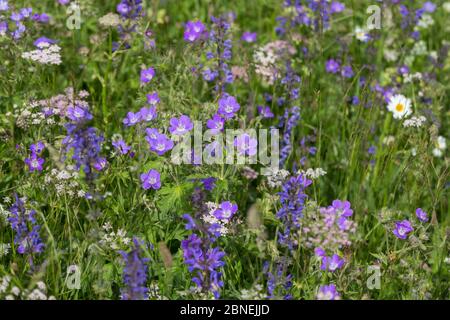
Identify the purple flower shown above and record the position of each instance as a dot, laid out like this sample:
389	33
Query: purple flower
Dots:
402	229
226	211
16	16
328	292
153	98
332	66
347	72
147	75
100	164
151	134
336	7
228	106
333	263
34	163
134	273
4	5
208	183
421	215
147	114
121	146
216	124
161	144
26	12
246	145
131	119
265	112
37	148
249	37
180	126
194	30
429	6
43	41
78	114
63	2
26	229
151	179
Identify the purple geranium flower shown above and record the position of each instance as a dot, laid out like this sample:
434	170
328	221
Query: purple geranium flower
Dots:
147	114
328	292
194	30
249	37
43	41
226	210
180	126
332	66
37	148
34	163
333	263
228	106
347	72
147	75
153	98
402	229
216	124
132	118
151	179
265	112
429	6
421	215
246	145
100	164
121	146
337	7
161	144
78	113
4	5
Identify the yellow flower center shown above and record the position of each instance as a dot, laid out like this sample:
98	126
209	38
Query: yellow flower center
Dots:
399	107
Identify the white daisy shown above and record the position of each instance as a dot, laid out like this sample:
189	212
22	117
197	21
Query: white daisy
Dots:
400	106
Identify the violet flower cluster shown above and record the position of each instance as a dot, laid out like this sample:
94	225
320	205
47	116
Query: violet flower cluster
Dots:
130	11
15	25
292	199
26	228
134	273
289	120
202	257
83	141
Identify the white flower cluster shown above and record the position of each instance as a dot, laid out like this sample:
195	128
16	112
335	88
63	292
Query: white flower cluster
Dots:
211	218
65	182
47	54
31	114
4	214
411	77
313	173
276	177
425	21
266	58
115	240
255	293
14	292
416	122
441	145
4	249
109	20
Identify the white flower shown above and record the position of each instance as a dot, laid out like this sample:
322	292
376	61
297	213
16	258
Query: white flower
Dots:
441	143
437	152
414	122
446	7
313	173
400	106
361	34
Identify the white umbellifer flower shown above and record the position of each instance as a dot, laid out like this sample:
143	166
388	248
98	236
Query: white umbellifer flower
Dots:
414	122
109	20
361	34
4	249
313	173
400	106
47	54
